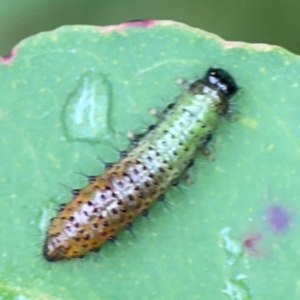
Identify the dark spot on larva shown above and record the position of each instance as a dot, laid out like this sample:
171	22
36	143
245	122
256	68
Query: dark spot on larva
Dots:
175	182
190	164
136	188
96	225
87	237
91	178
120	202
104	234
105	223
81	231
134	142
130	197
140	195
149	158
61	207
123	209
175	153
151	127
128	226
76	225
120	184
75	192
145	212
89	203
111	239
108	165
95	249
161	198
114	211
108	188
169	107
147	184
103	197
86	213
123	154
85	245
71	218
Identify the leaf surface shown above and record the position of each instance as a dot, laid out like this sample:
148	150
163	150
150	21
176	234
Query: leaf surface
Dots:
69	96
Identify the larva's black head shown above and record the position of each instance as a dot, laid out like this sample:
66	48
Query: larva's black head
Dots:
221	80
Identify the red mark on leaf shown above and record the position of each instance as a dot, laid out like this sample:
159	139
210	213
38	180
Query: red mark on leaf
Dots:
139	23
278	219
123	26
251	244
9	57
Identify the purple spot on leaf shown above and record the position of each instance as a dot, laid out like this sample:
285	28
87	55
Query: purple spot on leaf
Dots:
278	219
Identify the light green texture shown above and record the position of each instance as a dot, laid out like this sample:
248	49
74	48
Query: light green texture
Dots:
192	250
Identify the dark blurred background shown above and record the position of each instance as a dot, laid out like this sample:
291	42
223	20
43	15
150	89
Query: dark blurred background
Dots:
256	21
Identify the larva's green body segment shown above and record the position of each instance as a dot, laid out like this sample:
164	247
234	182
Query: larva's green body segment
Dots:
112	200
183	130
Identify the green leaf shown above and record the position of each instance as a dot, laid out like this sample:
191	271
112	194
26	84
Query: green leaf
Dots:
69	96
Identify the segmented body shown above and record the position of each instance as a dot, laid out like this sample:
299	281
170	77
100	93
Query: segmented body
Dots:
112	200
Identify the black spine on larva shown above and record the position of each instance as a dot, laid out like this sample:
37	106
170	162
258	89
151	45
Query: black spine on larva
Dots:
222	80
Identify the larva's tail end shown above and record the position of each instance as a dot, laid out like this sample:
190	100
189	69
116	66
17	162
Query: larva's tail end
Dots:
46	253
222	80
55	254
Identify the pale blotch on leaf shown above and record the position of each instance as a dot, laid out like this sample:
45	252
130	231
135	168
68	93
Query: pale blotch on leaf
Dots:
236	289
86	114
232	246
